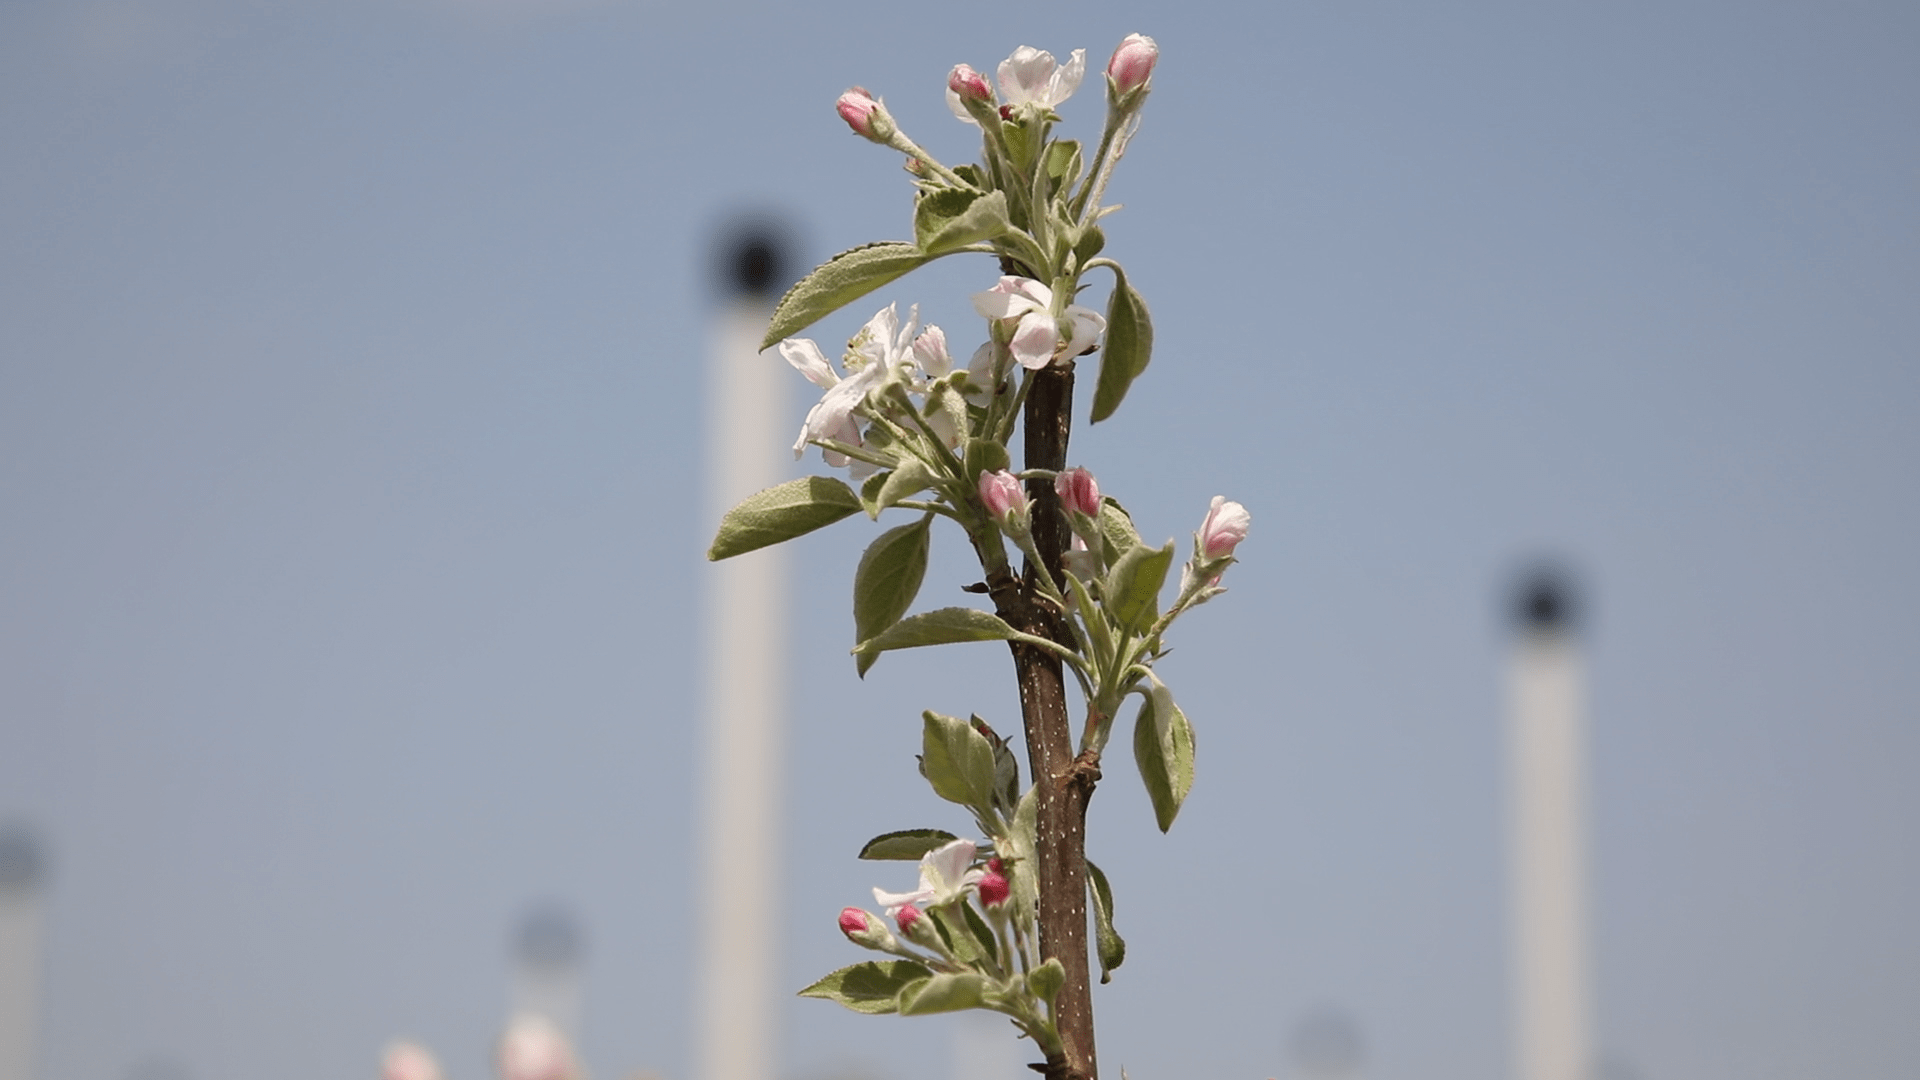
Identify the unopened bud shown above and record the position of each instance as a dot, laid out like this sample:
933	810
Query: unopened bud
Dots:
994	889
866	929
1225	527
1004	499
865	115
1132	63
917	927
968	84
1079	494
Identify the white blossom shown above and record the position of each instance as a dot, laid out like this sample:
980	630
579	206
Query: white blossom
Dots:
1030	76
874	353
1036	338
945	876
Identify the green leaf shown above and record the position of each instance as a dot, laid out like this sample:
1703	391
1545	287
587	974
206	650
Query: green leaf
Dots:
944	993
1112	950
982	933
958	762
1063	163
904	482
1046	980
872	987
984	455
887	580
1099	633
958	936
781	513
1129	346
1006	768
1133	586
1092	240
870	492
940	627
1163	748
1116	526
840	281
950	219
907	845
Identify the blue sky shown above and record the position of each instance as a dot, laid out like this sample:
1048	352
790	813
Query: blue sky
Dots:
350	363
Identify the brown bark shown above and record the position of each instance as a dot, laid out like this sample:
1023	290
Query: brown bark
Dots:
1064	782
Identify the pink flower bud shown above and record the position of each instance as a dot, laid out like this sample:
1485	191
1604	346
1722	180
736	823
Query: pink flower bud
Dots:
1078	491
993	888
1005	499
906	917
1132	63
865	929
968	84
864	114
1225	527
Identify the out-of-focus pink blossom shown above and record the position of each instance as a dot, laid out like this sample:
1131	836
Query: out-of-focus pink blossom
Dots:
535	1049
1132	63
1225	527
1078	491
408	1061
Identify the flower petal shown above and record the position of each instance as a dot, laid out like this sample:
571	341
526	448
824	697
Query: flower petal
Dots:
1066	78
804	355
945	867
1034	342
1023	76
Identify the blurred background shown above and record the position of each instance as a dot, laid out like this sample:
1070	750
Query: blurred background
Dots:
351	520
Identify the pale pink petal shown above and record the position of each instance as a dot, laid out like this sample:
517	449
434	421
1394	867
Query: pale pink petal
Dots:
1066	78
1034	342
1023	76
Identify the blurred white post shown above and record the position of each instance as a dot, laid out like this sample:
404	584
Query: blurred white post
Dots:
749	438
20	919
1546	735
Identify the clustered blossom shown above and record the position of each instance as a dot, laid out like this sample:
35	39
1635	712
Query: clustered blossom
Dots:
881	352
1028	305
